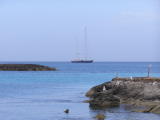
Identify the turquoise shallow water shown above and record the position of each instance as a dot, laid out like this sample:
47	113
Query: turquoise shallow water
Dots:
45	95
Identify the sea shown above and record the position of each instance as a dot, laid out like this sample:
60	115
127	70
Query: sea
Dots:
44	95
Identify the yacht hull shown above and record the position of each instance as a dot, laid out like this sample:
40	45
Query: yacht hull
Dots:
82	61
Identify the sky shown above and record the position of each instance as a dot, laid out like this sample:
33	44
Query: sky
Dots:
53	30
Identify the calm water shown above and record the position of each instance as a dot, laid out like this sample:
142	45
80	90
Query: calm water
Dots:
45	95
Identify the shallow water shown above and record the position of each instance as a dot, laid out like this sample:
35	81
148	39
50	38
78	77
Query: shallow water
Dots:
45	95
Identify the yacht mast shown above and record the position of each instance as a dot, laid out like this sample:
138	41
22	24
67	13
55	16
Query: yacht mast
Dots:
77	49
85	58
86	43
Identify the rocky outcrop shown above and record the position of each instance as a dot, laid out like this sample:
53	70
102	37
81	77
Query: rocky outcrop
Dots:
140	91
25	67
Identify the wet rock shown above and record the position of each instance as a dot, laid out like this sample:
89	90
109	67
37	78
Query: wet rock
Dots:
100	117
151	109
86	101
104	100
155	109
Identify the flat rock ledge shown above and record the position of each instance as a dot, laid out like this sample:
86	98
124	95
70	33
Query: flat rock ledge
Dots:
136	91
25	67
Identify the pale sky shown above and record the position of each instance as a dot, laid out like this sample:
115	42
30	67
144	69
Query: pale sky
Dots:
47	30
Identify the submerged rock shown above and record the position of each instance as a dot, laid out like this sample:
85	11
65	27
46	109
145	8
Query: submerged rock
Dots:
142	91
100	117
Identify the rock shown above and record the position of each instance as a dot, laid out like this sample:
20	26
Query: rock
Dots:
98	88
104	100
156	109
86	101
100	117
151	109
142	91
25	67
66	111
90	92
145	110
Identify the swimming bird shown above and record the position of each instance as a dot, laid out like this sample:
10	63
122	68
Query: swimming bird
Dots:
66	111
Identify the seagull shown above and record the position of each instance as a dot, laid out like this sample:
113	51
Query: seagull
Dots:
104	88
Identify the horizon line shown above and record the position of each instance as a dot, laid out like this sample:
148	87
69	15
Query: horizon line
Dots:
70	61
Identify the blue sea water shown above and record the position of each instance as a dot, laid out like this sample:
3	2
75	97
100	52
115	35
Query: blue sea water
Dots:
44	95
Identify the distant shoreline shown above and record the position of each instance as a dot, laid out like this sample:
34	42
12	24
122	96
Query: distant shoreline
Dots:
25	67
94	61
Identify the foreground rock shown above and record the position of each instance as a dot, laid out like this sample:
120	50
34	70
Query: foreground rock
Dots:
24	67
104	100
138	91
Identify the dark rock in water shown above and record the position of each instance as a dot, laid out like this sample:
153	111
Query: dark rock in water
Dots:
25	67
100	117
104	100
66	111
139	91
86	101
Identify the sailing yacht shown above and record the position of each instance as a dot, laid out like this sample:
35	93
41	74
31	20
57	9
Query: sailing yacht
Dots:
82	61
85	59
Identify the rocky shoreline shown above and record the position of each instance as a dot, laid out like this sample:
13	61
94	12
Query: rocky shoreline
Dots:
136	91
25	67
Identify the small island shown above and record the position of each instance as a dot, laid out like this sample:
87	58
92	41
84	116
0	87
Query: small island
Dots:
25	67
135	91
